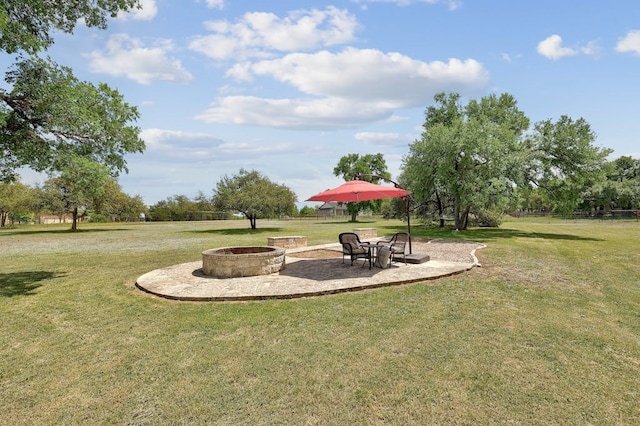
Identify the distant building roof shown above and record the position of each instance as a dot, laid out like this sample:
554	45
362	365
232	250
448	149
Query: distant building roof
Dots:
333	206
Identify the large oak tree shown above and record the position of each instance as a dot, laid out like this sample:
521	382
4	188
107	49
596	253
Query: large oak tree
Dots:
472	159
46	113
469	157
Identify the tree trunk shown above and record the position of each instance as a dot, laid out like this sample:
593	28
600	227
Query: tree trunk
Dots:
74	224
252	221
3	219
456	213
465	216
440	210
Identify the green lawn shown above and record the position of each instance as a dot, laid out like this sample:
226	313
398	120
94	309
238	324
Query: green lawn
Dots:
547	331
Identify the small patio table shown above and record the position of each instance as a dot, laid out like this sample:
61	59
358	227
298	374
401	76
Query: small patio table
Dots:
373	252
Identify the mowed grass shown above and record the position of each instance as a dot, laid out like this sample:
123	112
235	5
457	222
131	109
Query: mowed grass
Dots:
547	331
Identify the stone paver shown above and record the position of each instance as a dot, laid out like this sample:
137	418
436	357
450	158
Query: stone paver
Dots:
304	277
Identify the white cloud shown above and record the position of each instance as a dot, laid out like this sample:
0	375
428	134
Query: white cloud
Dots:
592	48
215	4
198	148
258	33
179	146
452	4
175	165
629	43
147	11
382	139
328	113
162	139
129	57
511	58
344	89
552	48
388	80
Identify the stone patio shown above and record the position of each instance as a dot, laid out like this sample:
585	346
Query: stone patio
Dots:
310	271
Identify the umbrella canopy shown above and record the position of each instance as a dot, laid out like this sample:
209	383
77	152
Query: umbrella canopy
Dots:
358	190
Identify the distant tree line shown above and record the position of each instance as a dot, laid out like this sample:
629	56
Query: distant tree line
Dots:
21	203
85	190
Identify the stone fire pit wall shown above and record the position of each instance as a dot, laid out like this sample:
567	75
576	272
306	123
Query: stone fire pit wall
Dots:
235	262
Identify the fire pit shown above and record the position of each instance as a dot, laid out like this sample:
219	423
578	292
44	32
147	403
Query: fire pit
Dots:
235	262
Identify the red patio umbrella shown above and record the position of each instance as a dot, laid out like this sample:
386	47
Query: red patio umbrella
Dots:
361	190
358	190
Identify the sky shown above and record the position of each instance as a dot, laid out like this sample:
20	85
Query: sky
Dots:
289	87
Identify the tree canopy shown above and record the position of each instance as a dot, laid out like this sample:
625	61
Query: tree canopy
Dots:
49	115
620	189
46	113
254	196
564	161
27	25
77	188
468	155
15	199
474	158
367	166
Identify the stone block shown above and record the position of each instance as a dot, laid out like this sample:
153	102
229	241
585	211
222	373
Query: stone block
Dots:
288	242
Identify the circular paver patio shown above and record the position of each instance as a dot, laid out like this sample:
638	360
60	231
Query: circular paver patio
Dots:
308	275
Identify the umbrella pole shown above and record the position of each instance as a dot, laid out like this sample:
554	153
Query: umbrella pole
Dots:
406	200
406	206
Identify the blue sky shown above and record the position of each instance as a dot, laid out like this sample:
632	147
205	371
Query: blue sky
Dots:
289	87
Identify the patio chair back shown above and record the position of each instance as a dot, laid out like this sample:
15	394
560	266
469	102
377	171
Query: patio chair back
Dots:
352	247
398	245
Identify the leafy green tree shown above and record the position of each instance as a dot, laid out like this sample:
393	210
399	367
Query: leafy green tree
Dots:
173	208
534	200
202	202
28	25
254	196
76	189
564	162
308	211
624	168
50	199
469	157
353	165
47	114
620	189
116	206
477	159
134	208
16	200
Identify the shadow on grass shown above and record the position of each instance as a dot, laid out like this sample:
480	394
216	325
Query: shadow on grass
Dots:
24	283
236	231
490	234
